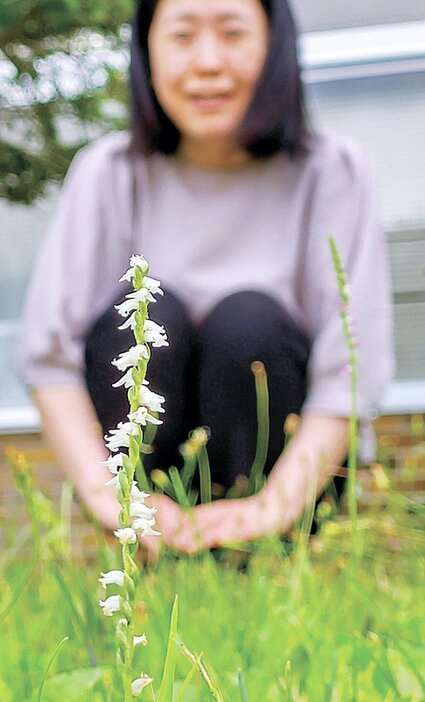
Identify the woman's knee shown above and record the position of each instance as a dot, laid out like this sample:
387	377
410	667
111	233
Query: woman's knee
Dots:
252	324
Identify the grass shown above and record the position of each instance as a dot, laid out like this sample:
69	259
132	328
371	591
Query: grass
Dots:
286	621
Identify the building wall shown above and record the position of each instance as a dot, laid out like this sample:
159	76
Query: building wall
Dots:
314	15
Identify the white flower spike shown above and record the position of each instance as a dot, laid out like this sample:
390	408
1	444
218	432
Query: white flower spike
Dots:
136	518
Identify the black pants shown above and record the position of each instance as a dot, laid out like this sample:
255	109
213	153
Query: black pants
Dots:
205	376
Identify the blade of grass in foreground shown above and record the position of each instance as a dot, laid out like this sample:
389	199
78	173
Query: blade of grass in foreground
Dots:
242	687
167	682
54	654
181	697
208	676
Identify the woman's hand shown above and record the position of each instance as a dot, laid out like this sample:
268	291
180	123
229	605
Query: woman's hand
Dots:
226	522
170	521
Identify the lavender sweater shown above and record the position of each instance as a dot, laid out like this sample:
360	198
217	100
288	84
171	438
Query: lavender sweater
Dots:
210	232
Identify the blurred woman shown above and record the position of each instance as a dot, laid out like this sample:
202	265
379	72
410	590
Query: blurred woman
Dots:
232	199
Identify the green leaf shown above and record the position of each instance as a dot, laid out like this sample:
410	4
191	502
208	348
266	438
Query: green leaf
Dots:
167	682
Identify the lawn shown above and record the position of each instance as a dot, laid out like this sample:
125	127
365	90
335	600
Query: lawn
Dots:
295	620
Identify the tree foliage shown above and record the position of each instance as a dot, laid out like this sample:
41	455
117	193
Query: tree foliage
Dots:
62	82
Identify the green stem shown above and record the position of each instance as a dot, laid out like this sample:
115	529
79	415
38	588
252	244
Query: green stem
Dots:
353	420
263	424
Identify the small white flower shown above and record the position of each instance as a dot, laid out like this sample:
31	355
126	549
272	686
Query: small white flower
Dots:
126	380
151	399
127	306
126	536
120	437
144	526
138	261
138	495
152	285
141	295
114	463
155	334
112	577
111	604
131	357
142	416
129	323
138	685
138	509
113	482
140	640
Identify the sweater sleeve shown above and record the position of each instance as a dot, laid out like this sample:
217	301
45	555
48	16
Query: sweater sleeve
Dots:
82	257
344	207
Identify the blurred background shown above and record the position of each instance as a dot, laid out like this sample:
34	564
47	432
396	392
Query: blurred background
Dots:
63	82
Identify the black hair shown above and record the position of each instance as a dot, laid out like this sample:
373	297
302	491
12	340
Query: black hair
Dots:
275	119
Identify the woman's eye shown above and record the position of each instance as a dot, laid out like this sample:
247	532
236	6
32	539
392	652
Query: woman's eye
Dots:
234	33
182	36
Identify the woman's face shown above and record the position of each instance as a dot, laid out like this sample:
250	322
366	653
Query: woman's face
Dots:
206	57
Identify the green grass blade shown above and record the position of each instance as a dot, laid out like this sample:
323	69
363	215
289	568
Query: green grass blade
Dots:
204	475
344	295
141	477
167	682
186	684
54	654
242	687
263	427
188	471
178	486
23	583
208	676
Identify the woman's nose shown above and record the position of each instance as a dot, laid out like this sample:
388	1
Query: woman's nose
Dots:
208	56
